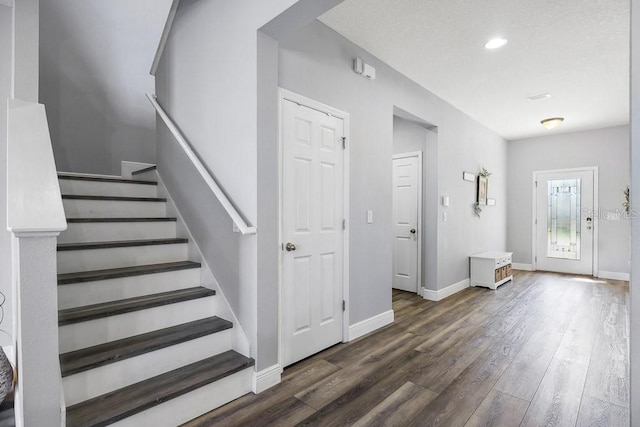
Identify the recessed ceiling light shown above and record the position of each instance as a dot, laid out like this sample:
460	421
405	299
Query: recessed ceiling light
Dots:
541	96
495	43
552	122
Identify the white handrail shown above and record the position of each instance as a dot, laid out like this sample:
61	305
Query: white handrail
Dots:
34	204
243	227
165	36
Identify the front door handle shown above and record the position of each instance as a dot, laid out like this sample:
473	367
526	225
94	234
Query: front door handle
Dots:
290	247
412	231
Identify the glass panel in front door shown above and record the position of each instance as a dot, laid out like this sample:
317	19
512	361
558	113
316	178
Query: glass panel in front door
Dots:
563	218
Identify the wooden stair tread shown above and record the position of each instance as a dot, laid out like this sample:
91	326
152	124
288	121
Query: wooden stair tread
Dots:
100	355
96	311
148	219
127	401
119	244
147	169
113	198
104	179
114	273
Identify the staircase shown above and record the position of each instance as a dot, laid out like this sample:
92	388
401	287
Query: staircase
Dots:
140	344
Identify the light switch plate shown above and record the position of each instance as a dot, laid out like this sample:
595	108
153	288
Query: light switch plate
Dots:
369	217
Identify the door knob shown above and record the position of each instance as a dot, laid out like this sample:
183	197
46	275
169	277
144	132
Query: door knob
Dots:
290	247
412	231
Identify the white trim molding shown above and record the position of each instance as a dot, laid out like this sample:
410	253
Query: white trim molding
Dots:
446	292
266	378
523	267
371	324
613	275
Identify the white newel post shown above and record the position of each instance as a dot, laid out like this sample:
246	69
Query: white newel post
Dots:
36	329
35	217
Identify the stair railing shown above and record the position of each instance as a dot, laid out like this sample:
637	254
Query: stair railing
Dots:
35	217
236	217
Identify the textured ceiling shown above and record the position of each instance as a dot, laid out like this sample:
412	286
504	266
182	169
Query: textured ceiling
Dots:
577	50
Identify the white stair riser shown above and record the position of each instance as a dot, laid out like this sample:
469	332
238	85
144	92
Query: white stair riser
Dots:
101	188
86	334
193	404
111	231
101	380
98	259
98	291
74	208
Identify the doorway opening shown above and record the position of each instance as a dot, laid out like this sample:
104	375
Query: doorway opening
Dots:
414	203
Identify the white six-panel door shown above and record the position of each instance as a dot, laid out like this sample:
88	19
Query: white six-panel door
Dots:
405	214
312	231
565	221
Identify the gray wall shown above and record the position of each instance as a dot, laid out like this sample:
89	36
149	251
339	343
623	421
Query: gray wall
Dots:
5	236
635	201
606	148
95	58
218	80
316	62
410	136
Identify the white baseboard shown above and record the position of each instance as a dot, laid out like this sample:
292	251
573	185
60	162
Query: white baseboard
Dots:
369	325
266	378
523	267
445	292
612	275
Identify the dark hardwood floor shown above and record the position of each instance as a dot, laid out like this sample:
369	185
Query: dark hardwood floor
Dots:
544	350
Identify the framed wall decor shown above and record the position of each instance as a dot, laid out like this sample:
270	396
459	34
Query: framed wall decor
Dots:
483	189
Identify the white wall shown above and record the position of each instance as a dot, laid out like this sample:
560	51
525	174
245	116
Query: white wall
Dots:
316	62
5	236
95	58
410	136
606	148
635	201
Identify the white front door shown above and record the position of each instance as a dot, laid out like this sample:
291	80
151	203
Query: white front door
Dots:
312	231
565	221
407	174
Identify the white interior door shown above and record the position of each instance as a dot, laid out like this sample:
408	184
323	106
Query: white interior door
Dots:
565	221
312	231
407	173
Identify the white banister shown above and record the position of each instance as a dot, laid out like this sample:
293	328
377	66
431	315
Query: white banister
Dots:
35	217
165	36
238	220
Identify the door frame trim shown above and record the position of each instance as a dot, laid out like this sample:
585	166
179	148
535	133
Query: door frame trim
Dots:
596	219
287	95
417	154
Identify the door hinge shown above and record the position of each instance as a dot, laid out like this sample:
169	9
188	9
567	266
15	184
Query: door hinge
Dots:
536	221
344	142
536	183
536	258
344	224
282	246
344	305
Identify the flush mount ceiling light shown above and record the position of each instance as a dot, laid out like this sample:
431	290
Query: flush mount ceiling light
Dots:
552	122
495	43
538	97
